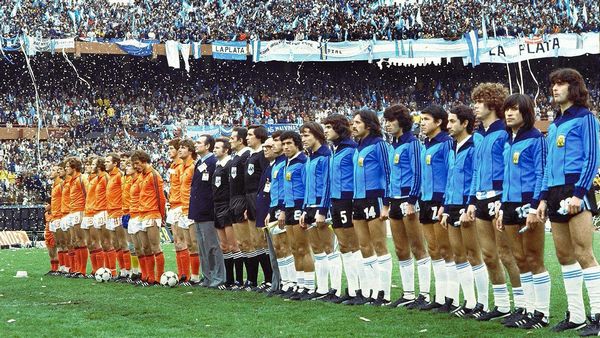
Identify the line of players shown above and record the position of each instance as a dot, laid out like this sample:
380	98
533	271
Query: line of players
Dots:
469	205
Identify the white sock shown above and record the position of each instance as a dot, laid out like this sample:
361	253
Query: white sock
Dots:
283	270
362	277
465	276
371	271
482	284
573	279
527	285
439	273
335	271
321	268
385	275
300	279
519	297
591	276
291	269
407	273
351	273
309	281
124	272
424	272
542	285
452	286
195	278
501	297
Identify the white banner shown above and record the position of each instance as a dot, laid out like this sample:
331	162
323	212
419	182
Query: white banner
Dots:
63	43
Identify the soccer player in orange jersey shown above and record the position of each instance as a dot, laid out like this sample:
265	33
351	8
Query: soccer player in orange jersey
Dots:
135	225
152	209
87	225
101	207
126	199
77	206
62	234
114	197
50	243
175	211
55	203
191	260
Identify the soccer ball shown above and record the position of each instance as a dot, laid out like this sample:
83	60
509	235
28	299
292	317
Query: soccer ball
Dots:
103	275
169	279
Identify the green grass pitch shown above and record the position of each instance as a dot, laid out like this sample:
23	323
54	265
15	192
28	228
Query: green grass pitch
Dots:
41	306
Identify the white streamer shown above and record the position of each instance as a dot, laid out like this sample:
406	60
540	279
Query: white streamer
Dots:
75	69
537	93
37	105
509	78
522	86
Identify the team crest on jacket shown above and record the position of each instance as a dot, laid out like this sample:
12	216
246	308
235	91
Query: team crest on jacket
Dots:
560	141
233	172
396	158
516	157
217	181
360	161
428	159
288	176
275	173
250	169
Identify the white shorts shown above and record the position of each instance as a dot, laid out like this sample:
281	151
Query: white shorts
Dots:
134	226
148	223
54	225
64	223
100	219
174	215
75	218
113	223
87	223
184	222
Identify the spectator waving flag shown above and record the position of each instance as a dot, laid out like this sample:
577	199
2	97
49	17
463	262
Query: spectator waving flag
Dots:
473	43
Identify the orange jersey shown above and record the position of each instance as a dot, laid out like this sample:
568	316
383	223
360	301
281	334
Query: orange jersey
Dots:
56	199
126	193
114	195
134	206
91	196
77	190
175	183
187	172
65	203
152	196
101	203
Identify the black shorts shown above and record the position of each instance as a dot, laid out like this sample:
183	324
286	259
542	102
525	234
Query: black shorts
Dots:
396	208
222	215
514	213
310	215
560	193
237	204
454	212
341	213
292	215
274	214
366	209
486	208
429	211
251	206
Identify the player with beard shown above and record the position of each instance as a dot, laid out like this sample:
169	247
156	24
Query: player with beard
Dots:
371	184
328	265
255	165
568	197
486	192
405	189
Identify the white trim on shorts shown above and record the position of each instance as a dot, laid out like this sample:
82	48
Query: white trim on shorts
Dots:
134	226
148	223
100	219
87	222
54	225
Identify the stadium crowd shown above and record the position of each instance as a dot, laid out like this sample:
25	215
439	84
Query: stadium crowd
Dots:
334	20
112	113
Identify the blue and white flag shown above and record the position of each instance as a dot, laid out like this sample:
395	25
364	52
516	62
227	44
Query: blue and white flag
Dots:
473	43
229	50
135	48
197	49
